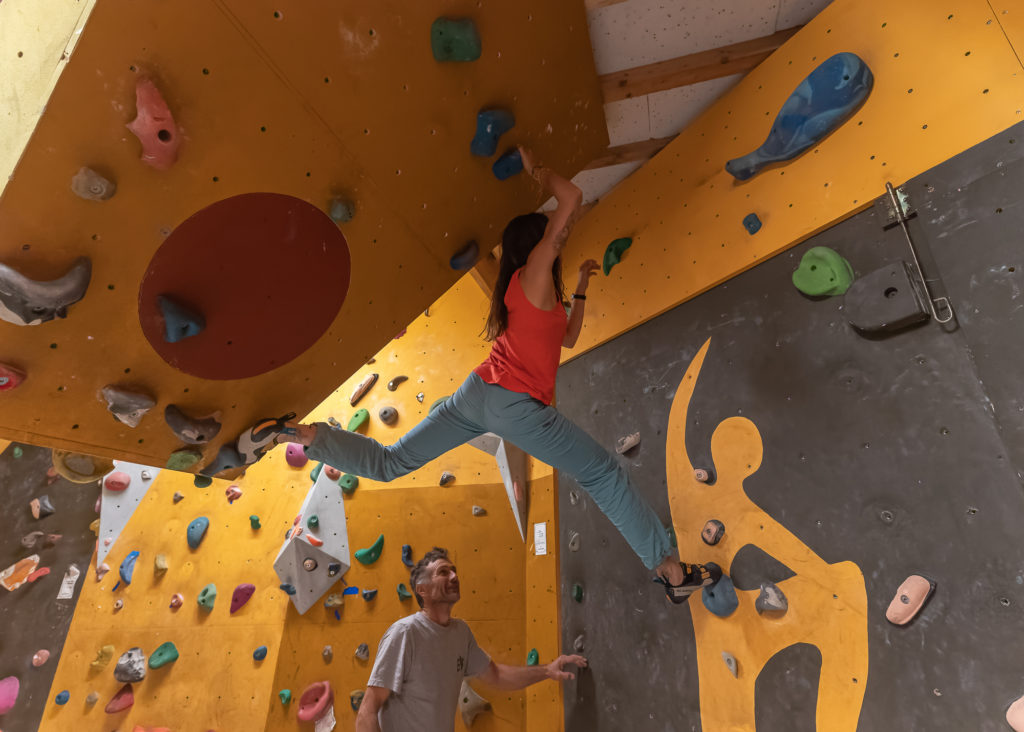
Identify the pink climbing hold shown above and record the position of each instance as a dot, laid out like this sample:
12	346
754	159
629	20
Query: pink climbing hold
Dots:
41	572
241	596
233	493
101	571
315	701
10	377
154	126
40	657
122	700
117	481
9	688
295	455
177	600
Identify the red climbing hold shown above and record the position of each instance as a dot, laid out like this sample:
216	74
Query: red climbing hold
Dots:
123	699
117	481
10	377
154	126
315	701
314	541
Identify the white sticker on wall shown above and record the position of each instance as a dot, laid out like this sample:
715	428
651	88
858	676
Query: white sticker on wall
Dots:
540	539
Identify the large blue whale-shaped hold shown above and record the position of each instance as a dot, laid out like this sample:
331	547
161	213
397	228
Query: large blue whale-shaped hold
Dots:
822	102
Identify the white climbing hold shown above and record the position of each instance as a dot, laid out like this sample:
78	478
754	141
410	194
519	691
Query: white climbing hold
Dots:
363	652
627	443
92	186
577	644
574	541
471	704
730	661
479	511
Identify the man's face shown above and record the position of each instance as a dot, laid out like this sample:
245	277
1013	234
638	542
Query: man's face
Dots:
442	583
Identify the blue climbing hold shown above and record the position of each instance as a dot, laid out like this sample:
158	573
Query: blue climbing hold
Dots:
369	594
350	591
289	589
127	567
751	223
62	698
819	104
180	321
196	531
465	257
720	598
509	164
260	653
407	555
337	615
490	125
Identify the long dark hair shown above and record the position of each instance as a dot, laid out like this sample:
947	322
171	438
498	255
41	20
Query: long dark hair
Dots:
521	235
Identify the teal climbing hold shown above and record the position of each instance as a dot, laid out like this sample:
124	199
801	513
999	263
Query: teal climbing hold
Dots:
180	321
751	223
490	125
207	596
533	657
313	522
289	589
510	163
315	472
462	260
196	531
164	654
371	554
358	421
285	695
823	271
577	592
613	253
348	483
720	598
254	521
403	592
454	39
17	452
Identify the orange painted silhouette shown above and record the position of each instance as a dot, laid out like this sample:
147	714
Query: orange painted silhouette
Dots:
827	602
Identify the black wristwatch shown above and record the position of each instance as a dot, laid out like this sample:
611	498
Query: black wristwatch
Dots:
578	297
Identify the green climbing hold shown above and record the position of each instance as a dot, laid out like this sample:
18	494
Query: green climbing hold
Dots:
254	521
17	452
183	459
532	658
201	481
315	472
313	522
613	254
348	484
454	39
371	554
358	421
207	596
166	653
577	592
403	592
823	271
285	695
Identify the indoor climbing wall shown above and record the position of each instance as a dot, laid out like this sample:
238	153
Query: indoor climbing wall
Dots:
301	180
840	463
510	612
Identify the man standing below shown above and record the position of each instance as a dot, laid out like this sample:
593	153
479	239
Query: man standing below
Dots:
423	658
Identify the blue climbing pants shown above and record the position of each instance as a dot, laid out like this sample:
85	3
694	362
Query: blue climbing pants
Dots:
478	407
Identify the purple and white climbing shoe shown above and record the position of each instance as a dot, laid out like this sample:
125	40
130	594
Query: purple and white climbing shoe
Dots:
262	436
697	577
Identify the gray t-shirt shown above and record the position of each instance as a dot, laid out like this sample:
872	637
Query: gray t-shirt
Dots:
423	664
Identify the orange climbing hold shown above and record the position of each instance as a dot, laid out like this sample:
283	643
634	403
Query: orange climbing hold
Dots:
154	126
18	573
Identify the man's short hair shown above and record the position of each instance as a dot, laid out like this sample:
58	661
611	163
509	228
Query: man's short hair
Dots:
419	572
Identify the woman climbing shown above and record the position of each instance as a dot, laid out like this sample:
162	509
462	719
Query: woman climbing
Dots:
510	393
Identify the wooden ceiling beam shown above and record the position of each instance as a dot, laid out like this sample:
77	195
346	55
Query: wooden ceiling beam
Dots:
630	152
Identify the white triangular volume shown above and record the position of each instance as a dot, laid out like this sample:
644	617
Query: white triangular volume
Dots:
512	466
117	507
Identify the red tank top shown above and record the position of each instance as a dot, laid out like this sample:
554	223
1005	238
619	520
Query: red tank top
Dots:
525	357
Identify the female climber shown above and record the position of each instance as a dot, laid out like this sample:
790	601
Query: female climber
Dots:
510	393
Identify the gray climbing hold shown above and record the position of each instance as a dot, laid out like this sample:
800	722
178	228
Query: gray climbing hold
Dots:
92	698
31	302
177	496
886	300
454	39
730	662
128	405
712	532
574	541
479	511
393	384
574	496
92	186
190	430
131	666
363	652
771	601
342	210
41	506
180	320
419	397
577	644
447	478
388	415
228	458
327	654
720	598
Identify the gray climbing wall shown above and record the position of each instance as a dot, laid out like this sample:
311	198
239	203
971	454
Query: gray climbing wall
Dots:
31	617
903	454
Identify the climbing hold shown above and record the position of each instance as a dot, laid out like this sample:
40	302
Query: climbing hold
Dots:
403	592
79	468
446	478
627	443
371	554
491	124
288	588
471	704
393	384
701	475
355	699
334	600
177	600
260	653
348	484
103	656
454	39
819	104
180	321
577	592
128	567
577	644
823	271
369	595
350	591
18	573
40	657
533	657
92	186
202	481
510	163
196	531
771	601
164	654
314	474
31	302
315	701
207	596
94	527
92	698
127	405
123	699
720	598
1014	715
388	415
574	541
241	596
730	662
887	300
313	522
361	388
62	698
118	604
101	571
254	522
295	455
9	687
314	541
407	555
191	430
333	568
712	532
751	223
327	653
117	481
466	257
154	126
177	496
233	493
285	695
41	506
183	459
479	511
909	599
10	377
331	473
341	209
41	572
32	538
131	666
419	397
309	564
160	565
358	421
614	251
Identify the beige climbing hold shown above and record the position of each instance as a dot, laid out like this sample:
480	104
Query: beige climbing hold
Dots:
1015	715
574	541
479	511
40	657
471	704
578	643
92	186
101	571
92	698
160	564
334	600
627	443
910	598
80	468
327	654
118	604
103	657
364	386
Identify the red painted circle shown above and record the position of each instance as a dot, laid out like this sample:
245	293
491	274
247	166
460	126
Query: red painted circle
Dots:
269	273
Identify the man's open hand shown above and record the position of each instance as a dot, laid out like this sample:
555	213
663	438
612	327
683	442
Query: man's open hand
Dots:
554	669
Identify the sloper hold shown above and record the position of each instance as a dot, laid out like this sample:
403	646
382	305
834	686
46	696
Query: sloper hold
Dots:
128	405
196	531
117	481
131	666
190	430
9	688
886	300
491	124
241	596
465	258
128	567
260	653
79	468
154	126
394	383
909	599
720	598
24	301
62	698
183	459
11	378
228	458
614	251
471	704
454	39
315	701
295	455
122	700
92	186
823	271
819	104
388	415
771	601
510	163
207	596
180	320
165	653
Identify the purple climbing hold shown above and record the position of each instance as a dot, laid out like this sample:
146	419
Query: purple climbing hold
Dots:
295	455
9	688
241	596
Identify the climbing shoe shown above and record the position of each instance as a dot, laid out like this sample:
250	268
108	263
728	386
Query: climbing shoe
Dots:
697	577
262	436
